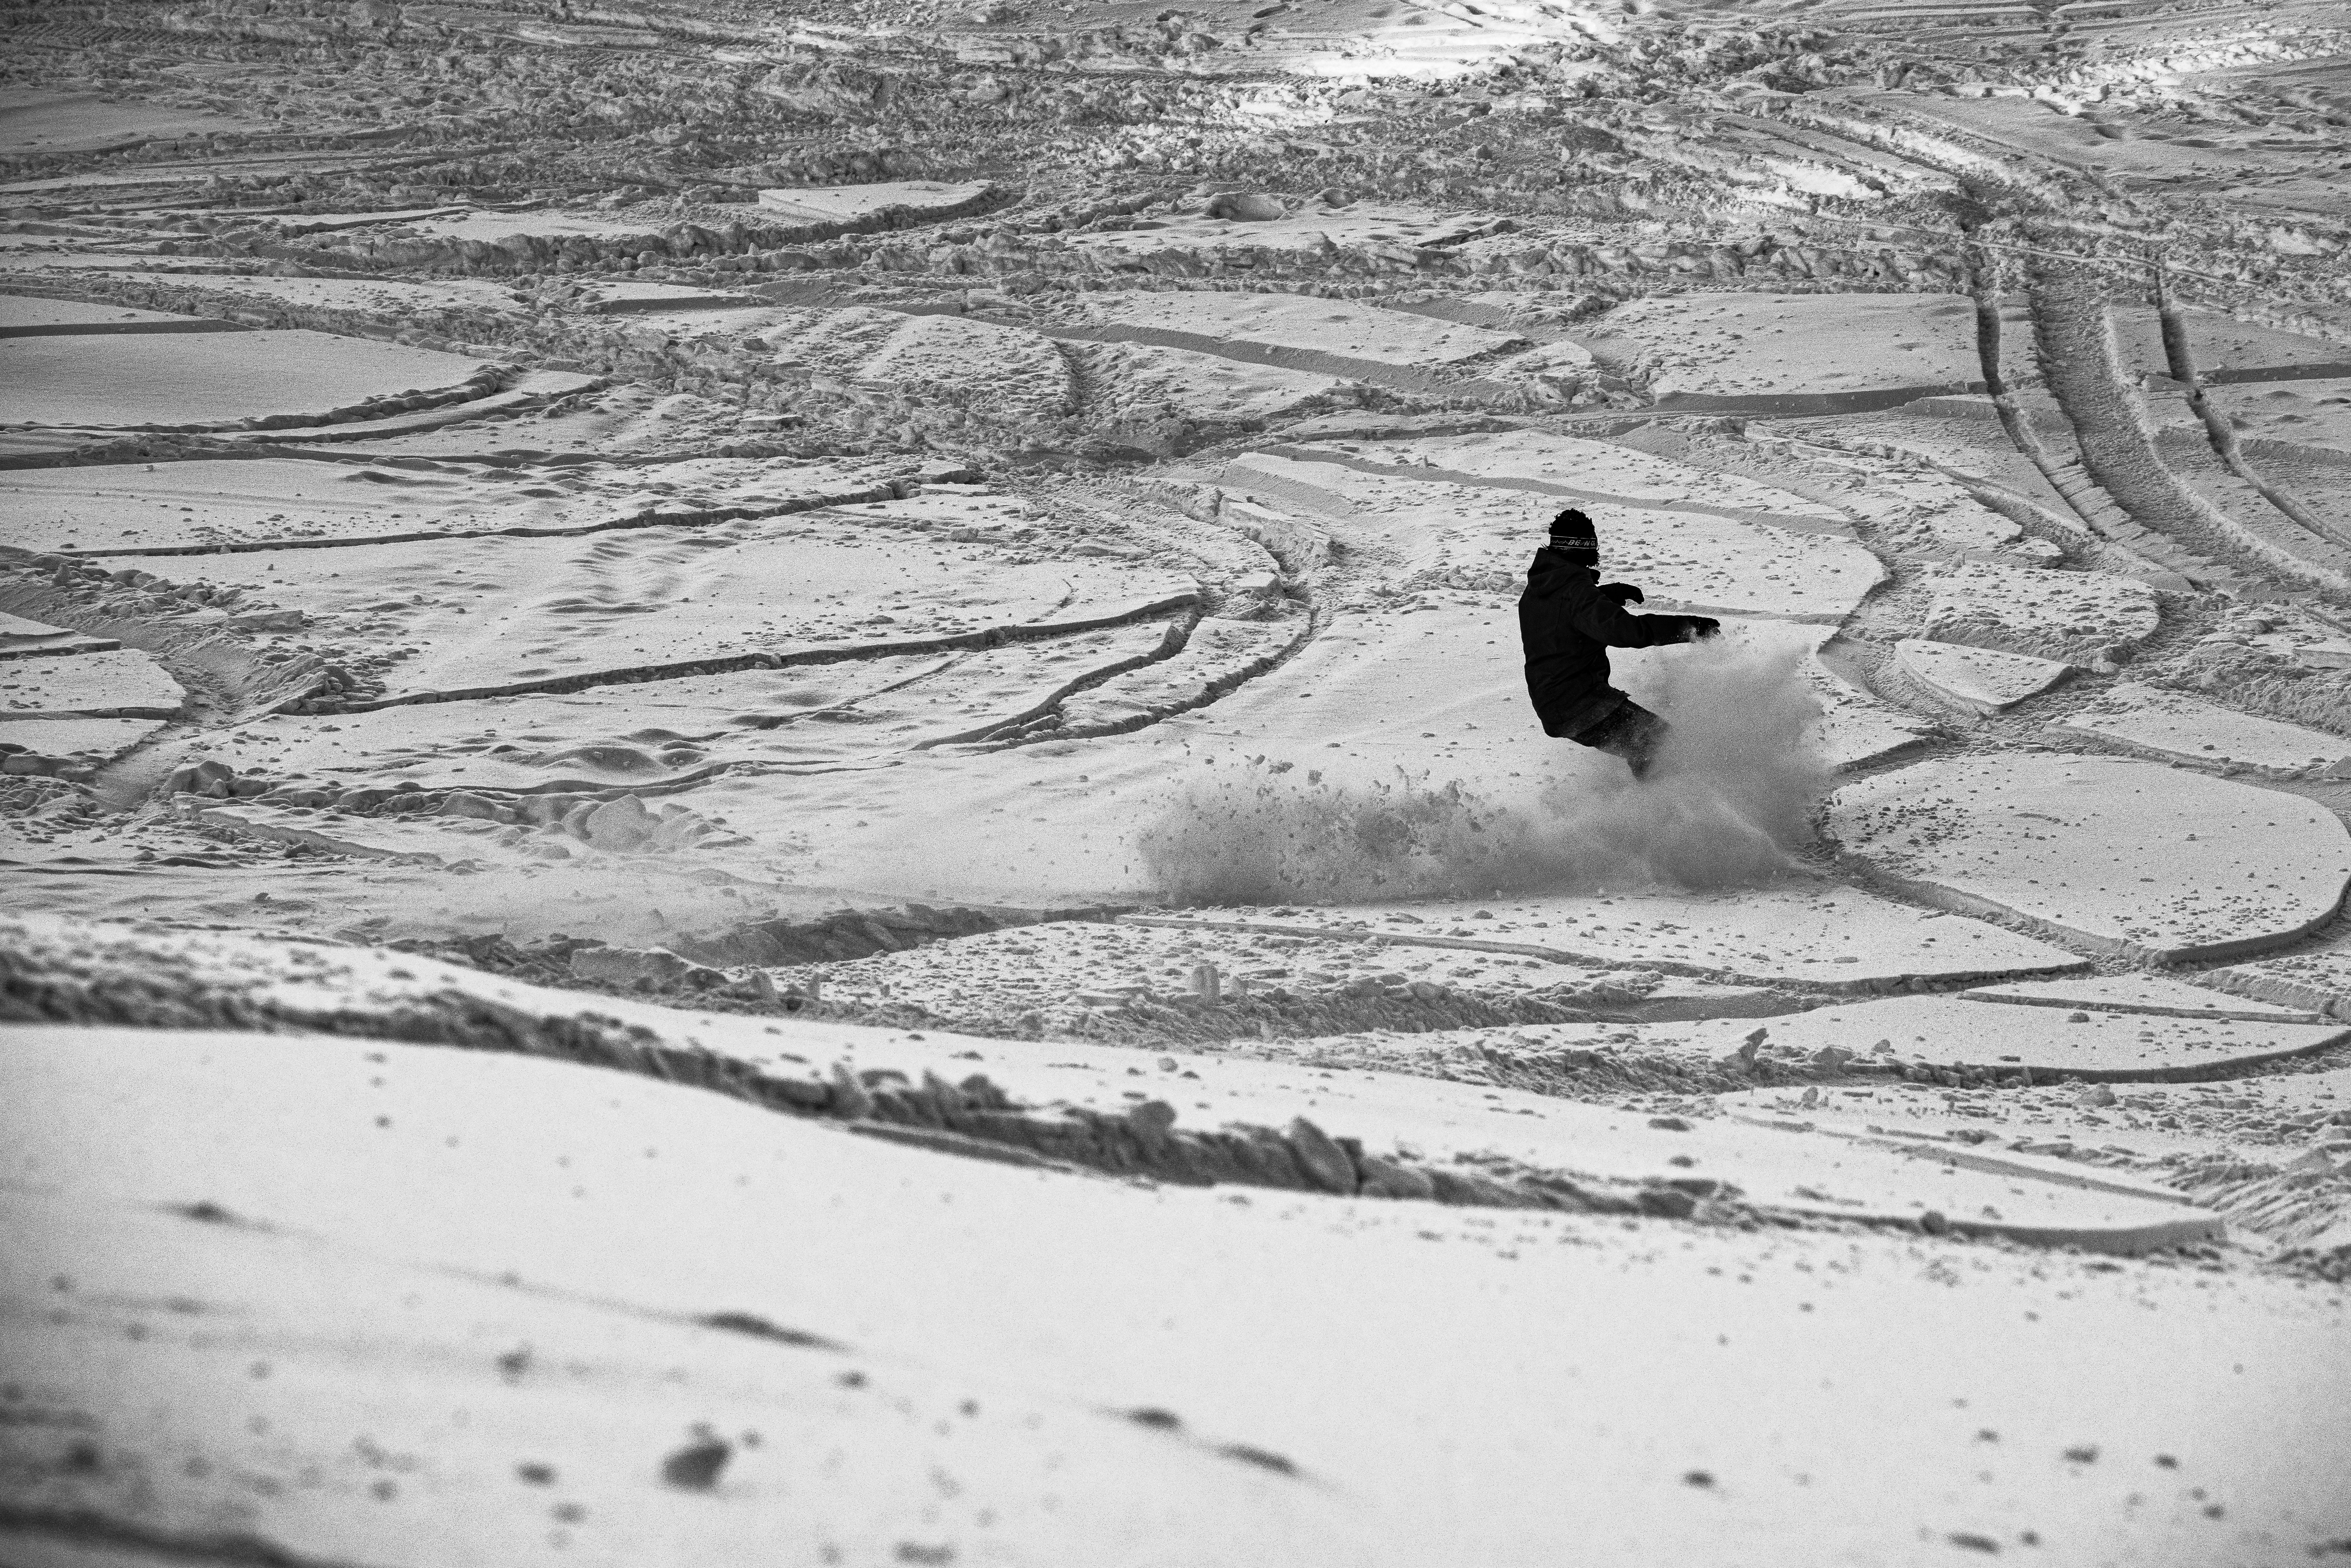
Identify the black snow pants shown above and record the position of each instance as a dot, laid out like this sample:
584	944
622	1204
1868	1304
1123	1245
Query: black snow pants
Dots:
1631	732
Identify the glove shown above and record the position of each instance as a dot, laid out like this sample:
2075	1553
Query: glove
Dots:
1622	592
1699	628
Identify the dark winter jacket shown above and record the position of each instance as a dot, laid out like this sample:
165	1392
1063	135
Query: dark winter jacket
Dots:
1567	626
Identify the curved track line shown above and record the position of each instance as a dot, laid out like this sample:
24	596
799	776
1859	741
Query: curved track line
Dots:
2078	357
2180	355
986	637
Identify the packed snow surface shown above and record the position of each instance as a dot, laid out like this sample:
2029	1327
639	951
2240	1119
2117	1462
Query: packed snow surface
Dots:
766	784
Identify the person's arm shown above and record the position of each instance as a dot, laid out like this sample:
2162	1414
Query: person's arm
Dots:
1603	621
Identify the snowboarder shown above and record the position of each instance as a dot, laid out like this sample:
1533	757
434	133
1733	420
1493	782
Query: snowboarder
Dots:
1568	620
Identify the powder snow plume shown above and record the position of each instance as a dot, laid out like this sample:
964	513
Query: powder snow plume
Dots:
1730	800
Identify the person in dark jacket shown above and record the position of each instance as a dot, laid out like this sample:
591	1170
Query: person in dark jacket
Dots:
1568	620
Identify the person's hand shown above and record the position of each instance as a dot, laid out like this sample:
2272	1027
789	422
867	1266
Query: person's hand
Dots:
1702	627
1622	592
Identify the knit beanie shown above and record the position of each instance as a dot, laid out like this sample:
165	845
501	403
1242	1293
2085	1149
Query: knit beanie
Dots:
1572	530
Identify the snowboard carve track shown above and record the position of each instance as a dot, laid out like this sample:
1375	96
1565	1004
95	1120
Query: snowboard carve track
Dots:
2066	529
1009	728
884	490
1923	891
2180	354
1311	454
1213	691
2080	360
988	637
2102	517
1589	961
1407	378
2285	993
518	397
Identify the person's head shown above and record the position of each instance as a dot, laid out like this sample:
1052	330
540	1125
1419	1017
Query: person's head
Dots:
1571	532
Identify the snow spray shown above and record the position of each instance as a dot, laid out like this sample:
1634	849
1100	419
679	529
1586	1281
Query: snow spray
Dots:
1729	802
